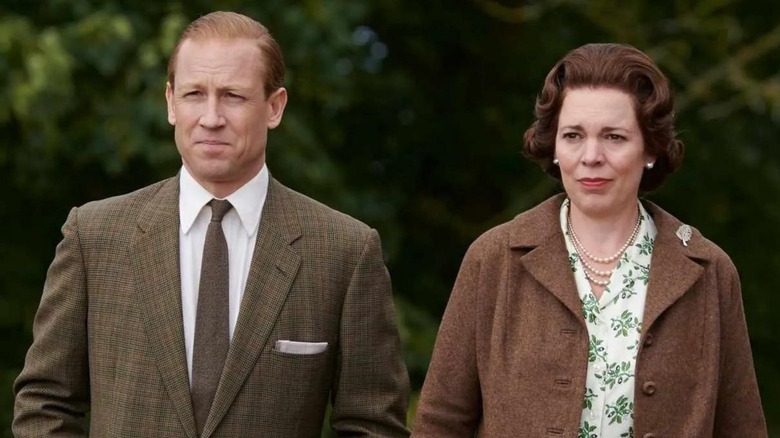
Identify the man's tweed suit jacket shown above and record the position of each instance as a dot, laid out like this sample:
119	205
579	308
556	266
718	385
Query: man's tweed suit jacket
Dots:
108	334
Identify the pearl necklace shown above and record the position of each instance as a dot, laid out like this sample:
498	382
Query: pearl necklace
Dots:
613	257
580	248
589	268
606	274
599	273
594	280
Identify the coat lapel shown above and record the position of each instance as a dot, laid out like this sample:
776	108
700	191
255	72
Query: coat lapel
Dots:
538	231
673	269
549	265
274	267
155	260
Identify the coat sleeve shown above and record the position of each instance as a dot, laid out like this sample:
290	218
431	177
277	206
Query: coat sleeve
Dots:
738	411
370	391
52	391
451	402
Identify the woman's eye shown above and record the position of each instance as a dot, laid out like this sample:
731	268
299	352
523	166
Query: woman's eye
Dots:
571	135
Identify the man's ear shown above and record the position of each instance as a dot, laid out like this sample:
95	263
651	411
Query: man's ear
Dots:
276	102
169	99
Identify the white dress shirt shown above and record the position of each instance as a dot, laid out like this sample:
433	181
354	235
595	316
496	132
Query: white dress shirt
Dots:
240	226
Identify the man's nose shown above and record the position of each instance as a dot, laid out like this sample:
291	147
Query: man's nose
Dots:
212	115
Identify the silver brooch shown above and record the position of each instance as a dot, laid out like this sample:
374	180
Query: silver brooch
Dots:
684	233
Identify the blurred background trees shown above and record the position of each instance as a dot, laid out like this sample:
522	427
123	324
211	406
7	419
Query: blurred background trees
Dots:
408	115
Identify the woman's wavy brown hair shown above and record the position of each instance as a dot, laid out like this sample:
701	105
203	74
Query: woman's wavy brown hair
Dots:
617	66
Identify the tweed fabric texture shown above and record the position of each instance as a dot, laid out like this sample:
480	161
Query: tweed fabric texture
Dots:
108	334
511	354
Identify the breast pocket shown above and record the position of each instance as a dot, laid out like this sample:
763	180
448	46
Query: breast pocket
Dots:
298	382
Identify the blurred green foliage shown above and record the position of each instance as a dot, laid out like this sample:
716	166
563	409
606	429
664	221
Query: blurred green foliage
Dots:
408	115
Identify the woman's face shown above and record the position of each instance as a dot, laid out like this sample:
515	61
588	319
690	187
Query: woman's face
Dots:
600	150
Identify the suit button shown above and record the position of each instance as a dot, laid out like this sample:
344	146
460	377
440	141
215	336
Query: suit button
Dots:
650	435
648	388
649	340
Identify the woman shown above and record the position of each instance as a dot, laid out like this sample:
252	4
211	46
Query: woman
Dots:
594	314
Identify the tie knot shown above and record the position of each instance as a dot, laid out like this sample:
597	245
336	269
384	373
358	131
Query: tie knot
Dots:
219	208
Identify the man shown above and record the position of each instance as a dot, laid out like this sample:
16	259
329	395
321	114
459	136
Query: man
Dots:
165	313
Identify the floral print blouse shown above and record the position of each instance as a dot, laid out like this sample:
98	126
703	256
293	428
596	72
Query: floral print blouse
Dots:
614	326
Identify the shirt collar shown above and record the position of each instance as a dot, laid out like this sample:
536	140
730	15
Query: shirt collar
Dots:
247	201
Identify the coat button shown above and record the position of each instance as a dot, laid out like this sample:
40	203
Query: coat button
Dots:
648	388
649	340
650	435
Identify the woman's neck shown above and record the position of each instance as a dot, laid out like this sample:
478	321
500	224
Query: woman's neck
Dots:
602	236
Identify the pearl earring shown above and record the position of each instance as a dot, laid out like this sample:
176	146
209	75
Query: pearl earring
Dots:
649	166
555	161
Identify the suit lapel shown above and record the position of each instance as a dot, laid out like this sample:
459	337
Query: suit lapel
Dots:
274	267
155	260
673	269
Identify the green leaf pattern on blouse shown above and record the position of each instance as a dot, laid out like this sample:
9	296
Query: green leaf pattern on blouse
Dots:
614	327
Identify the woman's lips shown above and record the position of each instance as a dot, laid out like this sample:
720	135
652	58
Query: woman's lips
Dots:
593	183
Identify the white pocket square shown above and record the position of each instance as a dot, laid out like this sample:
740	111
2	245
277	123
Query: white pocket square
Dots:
295	347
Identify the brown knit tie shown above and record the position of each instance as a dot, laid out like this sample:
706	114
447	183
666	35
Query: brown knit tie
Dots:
212	337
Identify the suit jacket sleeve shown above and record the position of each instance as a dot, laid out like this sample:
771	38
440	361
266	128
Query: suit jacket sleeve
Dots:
451	402
52	391
371	387
738	411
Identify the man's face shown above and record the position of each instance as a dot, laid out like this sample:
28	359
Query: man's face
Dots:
220	112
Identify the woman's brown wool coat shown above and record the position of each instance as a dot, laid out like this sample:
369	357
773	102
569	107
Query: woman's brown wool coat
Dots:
511	354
